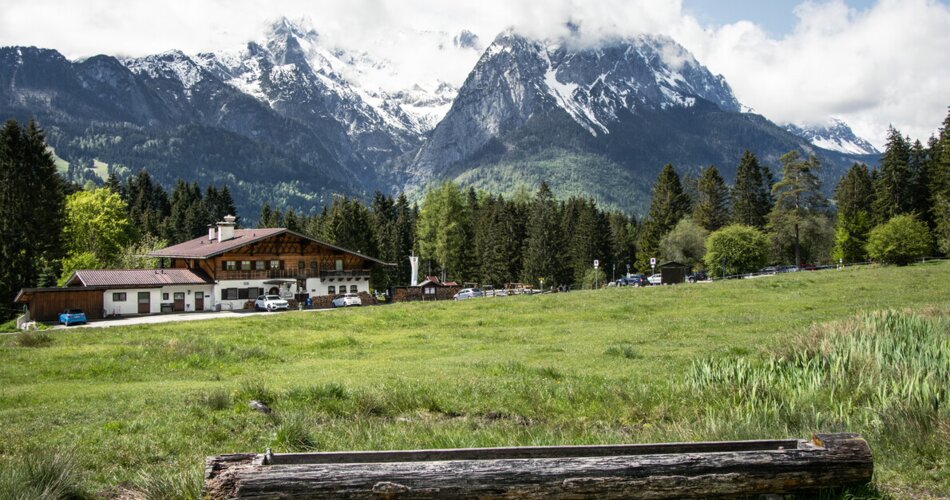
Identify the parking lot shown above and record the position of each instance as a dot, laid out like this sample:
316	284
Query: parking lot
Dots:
168	318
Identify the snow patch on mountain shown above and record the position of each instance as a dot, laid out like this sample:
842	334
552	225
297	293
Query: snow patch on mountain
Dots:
835	135
171	65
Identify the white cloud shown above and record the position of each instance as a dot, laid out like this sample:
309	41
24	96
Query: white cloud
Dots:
885	65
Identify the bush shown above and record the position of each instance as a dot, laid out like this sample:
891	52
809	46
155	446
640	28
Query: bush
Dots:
594	277
899	241
685	243
33	339
736	249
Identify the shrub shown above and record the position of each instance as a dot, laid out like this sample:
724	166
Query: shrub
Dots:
899	240
736	249
685	243
33	339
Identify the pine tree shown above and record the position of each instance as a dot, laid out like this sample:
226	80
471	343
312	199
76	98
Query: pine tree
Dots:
667	207
711	209
853	197
622	240
490	242
32	203
892	189
543	242
940	187
798	200
751	193
404	230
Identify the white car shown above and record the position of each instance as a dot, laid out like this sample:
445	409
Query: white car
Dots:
656	279
347	299
468	293
270	303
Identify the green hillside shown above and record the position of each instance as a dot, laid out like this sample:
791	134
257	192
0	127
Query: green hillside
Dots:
140	407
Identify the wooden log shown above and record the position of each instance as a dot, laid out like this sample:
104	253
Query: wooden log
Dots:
677	470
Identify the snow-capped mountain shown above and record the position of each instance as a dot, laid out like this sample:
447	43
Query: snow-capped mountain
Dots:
535	110
835	136
518	78
292	119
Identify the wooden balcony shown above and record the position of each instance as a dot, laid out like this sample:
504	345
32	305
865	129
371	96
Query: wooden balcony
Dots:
300	274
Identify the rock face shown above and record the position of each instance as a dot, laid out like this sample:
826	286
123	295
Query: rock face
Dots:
291	119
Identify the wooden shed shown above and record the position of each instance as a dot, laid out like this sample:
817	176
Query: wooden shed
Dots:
45	304
673	272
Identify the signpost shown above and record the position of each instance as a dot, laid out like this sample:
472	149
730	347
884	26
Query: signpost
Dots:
596	265
653	265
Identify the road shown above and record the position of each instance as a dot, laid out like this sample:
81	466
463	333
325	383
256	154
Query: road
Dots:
169	318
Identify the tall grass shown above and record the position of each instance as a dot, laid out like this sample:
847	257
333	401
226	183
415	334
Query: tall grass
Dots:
42	475
883	374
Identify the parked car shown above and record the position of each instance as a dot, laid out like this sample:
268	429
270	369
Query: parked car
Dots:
270	303
633	280
468	293
347	299
72	317
697	276
656	279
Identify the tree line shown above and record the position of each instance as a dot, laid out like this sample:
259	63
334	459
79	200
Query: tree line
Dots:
50	227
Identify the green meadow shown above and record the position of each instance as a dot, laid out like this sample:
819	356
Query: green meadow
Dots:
135	410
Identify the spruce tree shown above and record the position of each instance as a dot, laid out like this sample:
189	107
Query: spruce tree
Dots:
490	242
751	193
892	189
853	197
32	201
667	207
939	179
711	208
543	241
404	230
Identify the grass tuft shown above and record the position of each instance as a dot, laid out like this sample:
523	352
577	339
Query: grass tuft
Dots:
42	475
34	339
169	484
622	351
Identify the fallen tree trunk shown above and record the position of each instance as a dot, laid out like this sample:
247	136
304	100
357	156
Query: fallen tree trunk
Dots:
676	470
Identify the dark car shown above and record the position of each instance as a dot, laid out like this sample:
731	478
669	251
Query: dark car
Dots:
72	317
633	280
697	276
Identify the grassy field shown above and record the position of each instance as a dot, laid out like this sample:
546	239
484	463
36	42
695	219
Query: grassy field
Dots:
138	408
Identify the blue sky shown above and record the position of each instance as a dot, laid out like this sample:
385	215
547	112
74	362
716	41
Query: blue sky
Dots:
777	17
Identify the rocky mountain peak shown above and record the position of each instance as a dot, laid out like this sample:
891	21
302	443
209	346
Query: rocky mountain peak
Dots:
835	135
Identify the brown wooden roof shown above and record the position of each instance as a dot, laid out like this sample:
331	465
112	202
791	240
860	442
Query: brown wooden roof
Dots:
137	278
203	248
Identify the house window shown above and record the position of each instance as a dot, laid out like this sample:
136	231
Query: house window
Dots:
118	297
179	296
260	265
243	293
301	265
314	266
165	296
230	265
353	289
245	265
429	290
339	264
275	264
229	294
331	290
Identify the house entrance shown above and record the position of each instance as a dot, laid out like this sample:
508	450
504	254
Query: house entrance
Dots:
145	302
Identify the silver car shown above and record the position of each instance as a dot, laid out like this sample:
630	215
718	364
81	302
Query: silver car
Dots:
468	293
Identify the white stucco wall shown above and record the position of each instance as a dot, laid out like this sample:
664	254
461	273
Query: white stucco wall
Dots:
323	288
131	304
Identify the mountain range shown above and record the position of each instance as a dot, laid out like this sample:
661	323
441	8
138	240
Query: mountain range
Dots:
292	120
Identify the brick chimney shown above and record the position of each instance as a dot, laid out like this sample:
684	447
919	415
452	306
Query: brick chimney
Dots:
226	228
